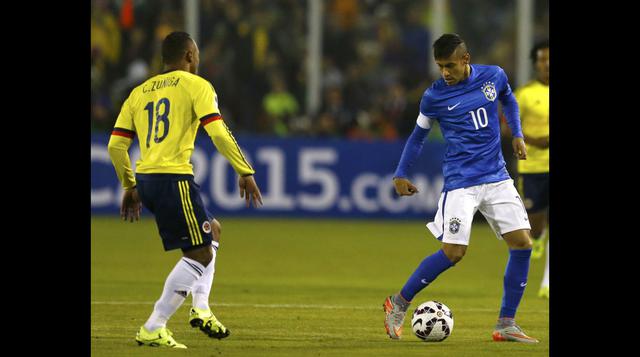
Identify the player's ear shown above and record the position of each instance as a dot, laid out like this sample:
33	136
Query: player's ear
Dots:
466	58
189	56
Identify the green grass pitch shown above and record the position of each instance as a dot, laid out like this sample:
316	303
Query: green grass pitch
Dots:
294	287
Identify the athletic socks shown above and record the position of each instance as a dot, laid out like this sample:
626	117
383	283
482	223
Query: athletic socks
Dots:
515	280
178	284
202	287
427	272
401	302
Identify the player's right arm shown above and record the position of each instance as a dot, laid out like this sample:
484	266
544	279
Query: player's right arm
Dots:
412	150
206	108
118	147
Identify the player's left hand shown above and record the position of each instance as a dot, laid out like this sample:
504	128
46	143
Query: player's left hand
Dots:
519	149
131	205
249	190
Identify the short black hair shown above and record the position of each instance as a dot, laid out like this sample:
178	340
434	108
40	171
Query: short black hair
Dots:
447	44
174	46
533	55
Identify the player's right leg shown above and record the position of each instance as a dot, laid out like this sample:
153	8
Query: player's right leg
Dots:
453	227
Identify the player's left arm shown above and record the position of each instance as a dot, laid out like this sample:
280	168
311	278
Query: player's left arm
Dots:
512	114
205	103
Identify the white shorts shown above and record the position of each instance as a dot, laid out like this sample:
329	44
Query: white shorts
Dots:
499	203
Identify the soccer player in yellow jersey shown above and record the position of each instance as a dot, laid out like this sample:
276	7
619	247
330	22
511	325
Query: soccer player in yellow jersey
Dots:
533	182
165	113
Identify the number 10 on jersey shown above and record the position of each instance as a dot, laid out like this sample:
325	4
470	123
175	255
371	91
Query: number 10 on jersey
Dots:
481	116
164	118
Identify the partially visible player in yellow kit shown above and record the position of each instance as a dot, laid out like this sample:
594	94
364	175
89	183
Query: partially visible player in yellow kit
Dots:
533	181
165	113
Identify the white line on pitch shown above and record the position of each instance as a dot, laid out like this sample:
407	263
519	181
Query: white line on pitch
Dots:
292	306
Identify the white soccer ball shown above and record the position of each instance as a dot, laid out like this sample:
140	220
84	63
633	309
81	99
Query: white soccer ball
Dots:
432	321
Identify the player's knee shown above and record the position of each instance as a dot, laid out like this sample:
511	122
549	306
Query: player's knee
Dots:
536	232
524	243
455	254
455	257
202	255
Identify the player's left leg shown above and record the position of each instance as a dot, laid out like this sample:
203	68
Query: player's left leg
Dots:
505	213
200	314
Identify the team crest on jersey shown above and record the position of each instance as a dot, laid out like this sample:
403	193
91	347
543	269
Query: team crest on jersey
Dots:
489	90
454	225
206	227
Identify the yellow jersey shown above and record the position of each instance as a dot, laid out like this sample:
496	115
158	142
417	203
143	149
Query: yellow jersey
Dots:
533	101
166	112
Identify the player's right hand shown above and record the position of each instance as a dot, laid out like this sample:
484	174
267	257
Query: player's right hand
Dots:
249	190
131	205
404	187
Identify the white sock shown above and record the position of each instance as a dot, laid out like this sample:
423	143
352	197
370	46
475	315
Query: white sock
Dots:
545	277
202	287
176	288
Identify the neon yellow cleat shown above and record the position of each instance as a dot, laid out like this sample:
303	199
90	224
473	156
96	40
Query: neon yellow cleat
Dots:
208	323
161	337
538	248
543	292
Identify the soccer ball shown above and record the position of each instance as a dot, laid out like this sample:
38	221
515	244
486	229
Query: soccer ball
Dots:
432	321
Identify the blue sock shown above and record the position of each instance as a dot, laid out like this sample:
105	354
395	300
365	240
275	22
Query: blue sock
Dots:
426	272
515	280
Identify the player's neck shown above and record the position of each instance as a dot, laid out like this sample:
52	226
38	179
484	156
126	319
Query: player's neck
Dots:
467	72
176	67
543	81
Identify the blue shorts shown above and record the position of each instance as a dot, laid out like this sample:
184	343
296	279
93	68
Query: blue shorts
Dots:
534	189
183	221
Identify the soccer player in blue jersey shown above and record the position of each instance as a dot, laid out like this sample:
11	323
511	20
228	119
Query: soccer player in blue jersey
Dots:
464	103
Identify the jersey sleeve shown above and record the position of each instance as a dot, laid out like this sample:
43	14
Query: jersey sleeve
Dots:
509	105
205	104
119	143
205	101
505	88
227	146
427	111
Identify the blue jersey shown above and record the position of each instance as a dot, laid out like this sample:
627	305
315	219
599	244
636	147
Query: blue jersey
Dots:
468	116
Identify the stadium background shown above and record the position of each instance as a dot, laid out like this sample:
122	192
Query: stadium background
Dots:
372	63
321	96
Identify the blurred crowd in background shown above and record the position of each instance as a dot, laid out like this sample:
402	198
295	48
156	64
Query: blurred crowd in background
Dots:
376	59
